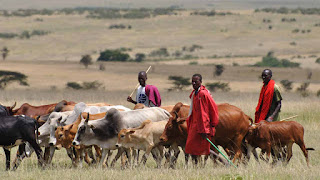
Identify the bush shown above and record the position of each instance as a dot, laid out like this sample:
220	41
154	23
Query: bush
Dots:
218	70
193	63
318	60
318	93
8	35
86	60
179	82
303	89
218	85
162	52
85	85
140	57
270	61
74	85
4	51
113	55
287	85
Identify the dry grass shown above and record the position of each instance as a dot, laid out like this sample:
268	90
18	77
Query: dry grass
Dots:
245	35
308	110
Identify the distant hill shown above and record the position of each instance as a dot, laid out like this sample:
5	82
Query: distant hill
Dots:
217	4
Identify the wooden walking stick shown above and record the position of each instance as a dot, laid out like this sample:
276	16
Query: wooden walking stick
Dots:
289	118
138	83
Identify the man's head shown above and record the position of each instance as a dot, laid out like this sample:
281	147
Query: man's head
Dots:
142	78
266	75
196	81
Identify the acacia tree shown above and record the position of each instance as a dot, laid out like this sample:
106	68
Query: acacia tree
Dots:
179	82
7	77
5	52
86	60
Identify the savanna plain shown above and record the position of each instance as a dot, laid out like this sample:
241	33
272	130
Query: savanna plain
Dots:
242	38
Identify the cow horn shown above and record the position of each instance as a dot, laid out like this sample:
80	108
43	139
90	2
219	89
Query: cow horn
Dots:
87	118
14	105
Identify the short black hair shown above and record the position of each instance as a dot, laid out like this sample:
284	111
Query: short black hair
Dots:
198	75
142	73
269	71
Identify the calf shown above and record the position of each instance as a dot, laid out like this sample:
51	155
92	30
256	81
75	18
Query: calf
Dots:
66	134
146	137
274	135
15	130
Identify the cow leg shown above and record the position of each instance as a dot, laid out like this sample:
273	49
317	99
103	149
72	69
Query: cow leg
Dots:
110	152
146	155
19	157
120	151
289	152
28	149
87	155
7	152
103	156
38	151
216	156
46	154
98	152
304	150
70	154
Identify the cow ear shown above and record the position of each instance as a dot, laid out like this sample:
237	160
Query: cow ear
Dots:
131	131
60	118
70	127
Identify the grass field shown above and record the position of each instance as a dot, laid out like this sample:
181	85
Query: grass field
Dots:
52	60
308	110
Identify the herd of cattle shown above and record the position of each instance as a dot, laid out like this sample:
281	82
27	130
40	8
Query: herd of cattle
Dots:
81	128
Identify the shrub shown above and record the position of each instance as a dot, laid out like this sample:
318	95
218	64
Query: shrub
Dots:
318	60
4	52
318	93
270	61
193	63
218	70
218	85
140	57
86	60
162	52
287	85
179	82
8	35
74	85
85	85
113	55
7	77
303	89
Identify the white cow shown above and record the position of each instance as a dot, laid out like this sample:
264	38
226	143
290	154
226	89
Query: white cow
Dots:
103	132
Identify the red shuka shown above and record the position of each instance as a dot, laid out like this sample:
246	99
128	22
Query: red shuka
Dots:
203	119
265	100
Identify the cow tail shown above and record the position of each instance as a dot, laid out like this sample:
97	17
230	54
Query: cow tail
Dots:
310	149
36	126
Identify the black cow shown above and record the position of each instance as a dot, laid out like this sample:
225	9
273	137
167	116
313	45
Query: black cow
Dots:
15	130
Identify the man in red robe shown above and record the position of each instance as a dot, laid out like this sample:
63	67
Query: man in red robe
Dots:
269	104
202	120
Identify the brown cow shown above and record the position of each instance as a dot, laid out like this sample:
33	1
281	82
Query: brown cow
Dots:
233	126
66	134
32	111
275	135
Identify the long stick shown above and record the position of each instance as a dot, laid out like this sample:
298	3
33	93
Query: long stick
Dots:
138	83
221	153
289	118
